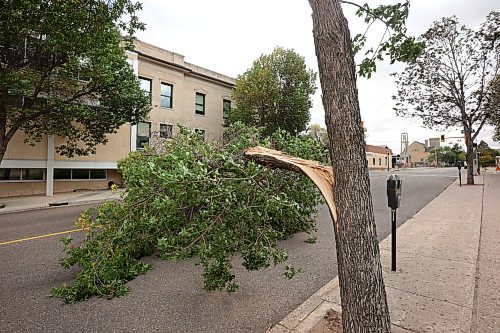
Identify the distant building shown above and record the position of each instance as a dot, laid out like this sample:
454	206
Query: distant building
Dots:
433	143
181	93
378	157
418	154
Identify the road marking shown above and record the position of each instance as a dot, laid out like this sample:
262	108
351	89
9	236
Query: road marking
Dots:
41	236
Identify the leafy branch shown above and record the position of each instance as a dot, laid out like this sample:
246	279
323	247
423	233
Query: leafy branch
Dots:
398	46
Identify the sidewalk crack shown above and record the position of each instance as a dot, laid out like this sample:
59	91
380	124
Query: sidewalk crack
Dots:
429	297
431	257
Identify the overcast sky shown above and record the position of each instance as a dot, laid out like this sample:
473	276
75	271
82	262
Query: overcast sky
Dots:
228	35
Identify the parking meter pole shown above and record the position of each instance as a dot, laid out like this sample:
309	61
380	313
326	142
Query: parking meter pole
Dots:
460	177
394	186
393	218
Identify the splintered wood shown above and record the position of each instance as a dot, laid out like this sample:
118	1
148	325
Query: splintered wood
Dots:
321	175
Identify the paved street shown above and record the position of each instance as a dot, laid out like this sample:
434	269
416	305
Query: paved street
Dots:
171	298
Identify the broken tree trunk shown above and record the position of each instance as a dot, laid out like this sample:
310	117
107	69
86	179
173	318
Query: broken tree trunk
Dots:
321	175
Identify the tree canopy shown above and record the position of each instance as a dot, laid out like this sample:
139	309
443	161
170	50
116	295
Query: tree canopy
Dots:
487	154
447	155
63	71
494	118
275	93
449	84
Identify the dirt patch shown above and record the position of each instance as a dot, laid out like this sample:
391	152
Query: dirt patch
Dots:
331	323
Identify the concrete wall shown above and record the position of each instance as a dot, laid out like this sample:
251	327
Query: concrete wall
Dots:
18	150
159	66
115	149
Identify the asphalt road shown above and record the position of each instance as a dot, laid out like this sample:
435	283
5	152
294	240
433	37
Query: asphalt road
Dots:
171	298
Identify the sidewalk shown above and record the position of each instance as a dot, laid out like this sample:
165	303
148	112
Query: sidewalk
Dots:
448	268
23	203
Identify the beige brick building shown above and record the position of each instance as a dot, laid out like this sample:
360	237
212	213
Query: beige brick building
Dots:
378	157
418	154
181	93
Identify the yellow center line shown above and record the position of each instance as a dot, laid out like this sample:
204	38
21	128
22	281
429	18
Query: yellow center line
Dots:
41	236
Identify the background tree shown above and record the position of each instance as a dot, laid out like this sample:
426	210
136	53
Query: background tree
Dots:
487	154
275	93
315	131
446	155
449	85
63	71
495	107
362	291
318	133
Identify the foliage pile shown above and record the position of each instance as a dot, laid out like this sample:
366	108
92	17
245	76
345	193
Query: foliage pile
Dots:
195	199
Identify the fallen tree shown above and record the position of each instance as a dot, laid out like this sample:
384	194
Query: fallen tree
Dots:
192	198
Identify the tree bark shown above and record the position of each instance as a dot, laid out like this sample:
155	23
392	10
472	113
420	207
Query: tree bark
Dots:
362	290
469	155
3	127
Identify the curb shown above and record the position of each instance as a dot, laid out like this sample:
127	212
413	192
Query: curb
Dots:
309	313
53	205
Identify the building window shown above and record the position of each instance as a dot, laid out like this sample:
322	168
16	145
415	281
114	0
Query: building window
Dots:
166	95
8	174
165	131
146	85
226	107
62	174
97	174
143	134
200	104
32	174
200	132
379	161
374	161
80	174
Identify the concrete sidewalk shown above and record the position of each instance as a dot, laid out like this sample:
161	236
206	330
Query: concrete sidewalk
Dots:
24	203
448	268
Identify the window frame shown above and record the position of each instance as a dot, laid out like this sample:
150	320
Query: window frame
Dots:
225	113
171	131
89	171
202	132
171	95
196	104
21	171
137	145
150	92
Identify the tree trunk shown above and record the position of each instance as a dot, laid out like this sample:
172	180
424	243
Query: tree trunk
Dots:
362	290
469	156
2	152
3	127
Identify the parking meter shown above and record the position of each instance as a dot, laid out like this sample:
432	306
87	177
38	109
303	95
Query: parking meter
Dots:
394	184
459	166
